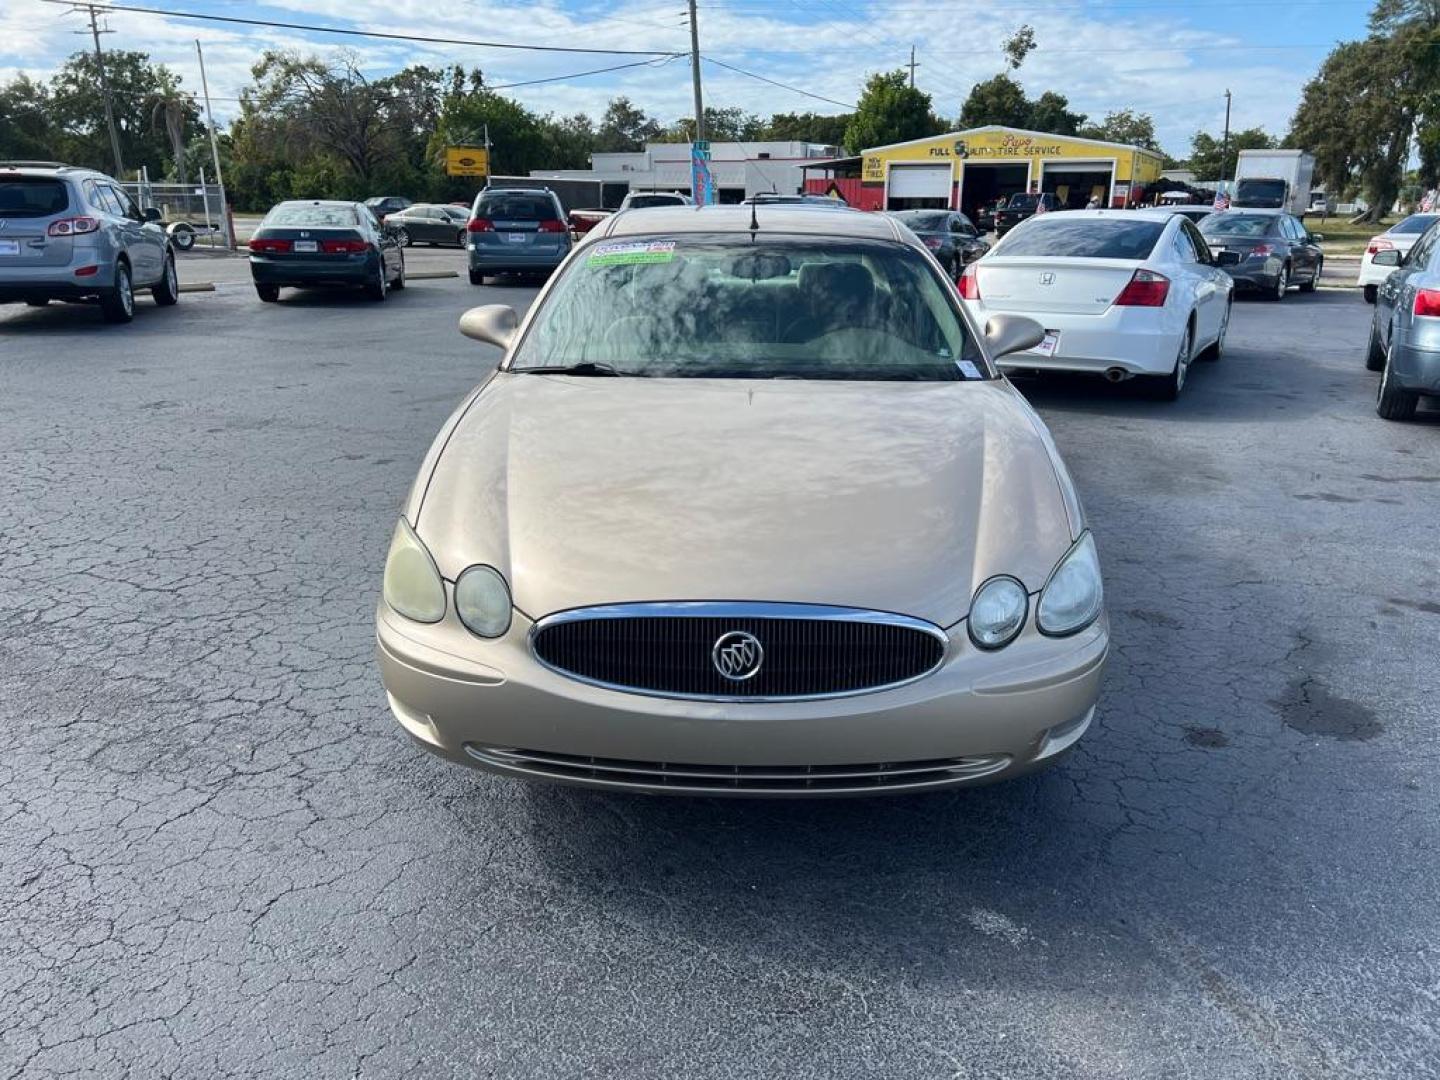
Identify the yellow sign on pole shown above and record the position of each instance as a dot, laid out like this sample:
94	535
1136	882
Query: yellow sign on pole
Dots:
467	161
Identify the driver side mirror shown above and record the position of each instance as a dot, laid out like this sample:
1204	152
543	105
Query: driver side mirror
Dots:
494	324
1388	257
152	213
1316	237
1006	334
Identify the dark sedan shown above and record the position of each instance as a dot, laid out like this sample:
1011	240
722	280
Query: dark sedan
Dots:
949	235
306	244
425	223
382	206
1264	252
1024	206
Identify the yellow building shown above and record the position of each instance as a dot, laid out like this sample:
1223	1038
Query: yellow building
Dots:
970	169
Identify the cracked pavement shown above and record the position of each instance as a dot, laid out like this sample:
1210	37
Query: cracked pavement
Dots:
219	857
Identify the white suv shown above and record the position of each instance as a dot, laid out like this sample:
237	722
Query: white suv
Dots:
69	233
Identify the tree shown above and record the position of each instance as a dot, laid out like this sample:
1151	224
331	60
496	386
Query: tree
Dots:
808	127
1018	46
27	124
890	110
1051	112
171	110
623	127
1000	100
721	125
1205	152
1125	126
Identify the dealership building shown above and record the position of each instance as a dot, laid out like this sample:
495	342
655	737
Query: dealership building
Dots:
965	170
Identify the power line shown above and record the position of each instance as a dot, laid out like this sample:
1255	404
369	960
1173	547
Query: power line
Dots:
311	28
659	62
772	82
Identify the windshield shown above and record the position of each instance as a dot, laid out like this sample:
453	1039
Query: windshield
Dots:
1023	202
1064	236
32	197
1415	223
729	307
320	217
925	220
1238	224
1261	192
640	202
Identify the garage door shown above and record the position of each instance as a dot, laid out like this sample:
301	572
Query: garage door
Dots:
919	182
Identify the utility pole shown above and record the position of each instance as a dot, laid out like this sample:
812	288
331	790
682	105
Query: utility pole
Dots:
912	66
695	74
214	153
95	33
1225	142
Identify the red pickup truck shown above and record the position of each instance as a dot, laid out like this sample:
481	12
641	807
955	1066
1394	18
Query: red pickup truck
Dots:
582	221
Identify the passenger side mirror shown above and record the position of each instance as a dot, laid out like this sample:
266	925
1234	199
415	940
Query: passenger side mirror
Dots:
494	324
1388	257
1316	237
152	213
1006	334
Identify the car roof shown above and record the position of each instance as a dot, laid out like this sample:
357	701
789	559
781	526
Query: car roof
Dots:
770	218
316	202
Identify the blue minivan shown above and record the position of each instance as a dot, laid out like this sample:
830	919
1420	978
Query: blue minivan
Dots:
516	230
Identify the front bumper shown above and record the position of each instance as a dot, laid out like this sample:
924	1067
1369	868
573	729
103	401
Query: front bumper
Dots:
982	716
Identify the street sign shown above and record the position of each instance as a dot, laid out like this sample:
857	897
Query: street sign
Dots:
467	161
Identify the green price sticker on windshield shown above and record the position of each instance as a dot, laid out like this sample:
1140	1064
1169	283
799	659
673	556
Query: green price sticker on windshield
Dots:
632	254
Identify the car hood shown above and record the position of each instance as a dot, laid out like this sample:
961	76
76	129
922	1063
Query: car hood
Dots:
895	496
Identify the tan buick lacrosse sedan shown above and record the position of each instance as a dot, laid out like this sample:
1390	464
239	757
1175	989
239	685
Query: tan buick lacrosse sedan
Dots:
746	509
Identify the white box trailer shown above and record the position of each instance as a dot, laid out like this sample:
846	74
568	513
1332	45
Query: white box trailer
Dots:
1273	180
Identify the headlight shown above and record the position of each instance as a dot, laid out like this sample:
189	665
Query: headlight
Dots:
1073	597
998	612
412	584
482	600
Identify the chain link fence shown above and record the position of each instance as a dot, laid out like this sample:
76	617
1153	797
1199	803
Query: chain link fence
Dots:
193	214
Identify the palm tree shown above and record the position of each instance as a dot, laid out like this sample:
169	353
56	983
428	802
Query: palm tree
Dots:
171	107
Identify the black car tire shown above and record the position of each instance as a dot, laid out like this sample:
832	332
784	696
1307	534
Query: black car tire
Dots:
1374	351
183	237
461	237
1314	282
1391	402
477	278
399	282
167	291
1371	292
402	236
380	287
268	293
117	303
1282	285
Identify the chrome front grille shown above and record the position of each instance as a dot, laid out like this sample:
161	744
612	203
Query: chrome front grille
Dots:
683	649
726	779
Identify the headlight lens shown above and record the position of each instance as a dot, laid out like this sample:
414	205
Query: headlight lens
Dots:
482	600
998	612
1073	597
412	584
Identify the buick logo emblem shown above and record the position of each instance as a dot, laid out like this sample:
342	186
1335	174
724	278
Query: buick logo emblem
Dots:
1047	279
737	655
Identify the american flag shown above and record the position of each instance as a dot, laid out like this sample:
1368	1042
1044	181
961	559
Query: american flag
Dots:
1222	201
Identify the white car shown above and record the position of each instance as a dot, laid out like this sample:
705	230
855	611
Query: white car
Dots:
1400	237
1119	292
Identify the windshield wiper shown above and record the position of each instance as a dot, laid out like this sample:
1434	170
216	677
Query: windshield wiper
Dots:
585	367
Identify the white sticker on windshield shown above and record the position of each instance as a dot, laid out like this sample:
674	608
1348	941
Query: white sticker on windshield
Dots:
652	251
969	370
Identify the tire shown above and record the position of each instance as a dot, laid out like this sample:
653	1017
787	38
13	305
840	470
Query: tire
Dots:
1392	403
268	293
1314	282
399	282
1282	285
1374	351
402	237
183	239
1371	292
1217	350
379	288
167	291
460	238
477	278
117	303
1168	387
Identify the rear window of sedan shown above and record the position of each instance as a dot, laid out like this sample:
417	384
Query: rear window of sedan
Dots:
723	307
318	217
27	196
1415	223
1063	236
1240	225
643	202
925	221
516	208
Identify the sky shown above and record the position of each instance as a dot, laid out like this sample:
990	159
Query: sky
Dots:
1173	59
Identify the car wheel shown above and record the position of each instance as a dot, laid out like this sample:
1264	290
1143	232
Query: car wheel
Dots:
399	282
267	293
1391	402
1374	350
402	236
1314	282
477	278
460	238
1217	350
1371	292
117	303
183	239
1168	387
1282	284
379	288
167	292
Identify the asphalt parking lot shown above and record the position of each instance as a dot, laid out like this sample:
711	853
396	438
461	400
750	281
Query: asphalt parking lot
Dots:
219	857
